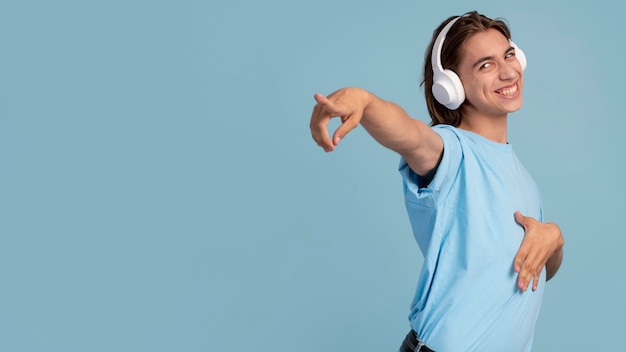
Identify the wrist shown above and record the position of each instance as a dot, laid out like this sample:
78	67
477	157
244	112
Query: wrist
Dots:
365	100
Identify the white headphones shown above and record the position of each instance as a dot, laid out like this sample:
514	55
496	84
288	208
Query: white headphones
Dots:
447	86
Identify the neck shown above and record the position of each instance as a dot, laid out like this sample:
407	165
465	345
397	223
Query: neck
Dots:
490	127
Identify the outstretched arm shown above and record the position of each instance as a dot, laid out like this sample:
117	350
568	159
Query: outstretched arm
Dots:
542	246
385	121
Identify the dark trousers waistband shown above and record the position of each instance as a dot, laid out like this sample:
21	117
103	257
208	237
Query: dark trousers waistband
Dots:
412	343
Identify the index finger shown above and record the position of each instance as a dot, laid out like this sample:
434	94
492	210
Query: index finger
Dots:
329	106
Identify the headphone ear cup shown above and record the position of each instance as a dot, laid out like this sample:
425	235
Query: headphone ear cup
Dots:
519	54
448	89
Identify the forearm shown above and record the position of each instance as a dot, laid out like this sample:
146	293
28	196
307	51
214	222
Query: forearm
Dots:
390	125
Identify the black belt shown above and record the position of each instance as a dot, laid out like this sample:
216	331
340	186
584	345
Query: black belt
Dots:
415	344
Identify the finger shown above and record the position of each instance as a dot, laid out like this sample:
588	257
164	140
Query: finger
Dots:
320	98
530	270
523	279
348	125
521	284
330	107
520	257
520	266
536	281
323	113
521	219
525	221
319	128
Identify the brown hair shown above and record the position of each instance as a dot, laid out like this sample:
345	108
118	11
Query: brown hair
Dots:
466	26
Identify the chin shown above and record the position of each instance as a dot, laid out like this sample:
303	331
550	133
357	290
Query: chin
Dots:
515	105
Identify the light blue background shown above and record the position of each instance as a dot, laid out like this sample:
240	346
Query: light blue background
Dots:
159	189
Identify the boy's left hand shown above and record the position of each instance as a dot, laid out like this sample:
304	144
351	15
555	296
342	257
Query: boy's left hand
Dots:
541	241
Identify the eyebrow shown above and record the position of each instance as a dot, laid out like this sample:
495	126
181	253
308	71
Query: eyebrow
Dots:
487	58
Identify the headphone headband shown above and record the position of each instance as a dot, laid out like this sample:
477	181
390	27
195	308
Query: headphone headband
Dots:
438	46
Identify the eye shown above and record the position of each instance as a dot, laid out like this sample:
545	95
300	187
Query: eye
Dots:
509	55
486	65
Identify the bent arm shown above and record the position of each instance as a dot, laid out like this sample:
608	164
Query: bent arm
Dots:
385	121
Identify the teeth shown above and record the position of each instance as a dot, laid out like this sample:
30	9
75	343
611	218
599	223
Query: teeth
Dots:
508	91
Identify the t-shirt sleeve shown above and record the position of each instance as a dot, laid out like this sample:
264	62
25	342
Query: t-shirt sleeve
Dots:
436	190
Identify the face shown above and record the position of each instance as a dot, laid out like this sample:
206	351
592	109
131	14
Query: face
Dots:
491	75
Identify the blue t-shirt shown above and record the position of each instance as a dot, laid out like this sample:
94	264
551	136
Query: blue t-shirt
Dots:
467	297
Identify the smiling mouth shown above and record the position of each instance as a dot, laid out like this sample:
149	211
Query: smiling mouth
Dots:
508	91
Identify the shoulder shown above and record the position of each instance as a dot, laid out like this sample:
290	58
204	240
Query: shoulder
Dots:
443	175
452	138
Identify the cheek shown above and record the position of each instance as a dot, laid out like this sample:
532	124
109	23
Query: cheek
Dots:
473	92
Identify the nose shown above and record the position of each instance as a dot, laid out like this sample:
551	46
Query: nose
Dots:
508	70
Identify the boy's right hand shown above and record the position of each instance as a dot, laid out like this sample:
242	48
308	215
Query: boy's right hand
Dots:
347	104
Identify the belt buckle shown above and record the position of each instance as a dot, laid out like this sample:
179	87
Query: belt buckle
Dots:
419	346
